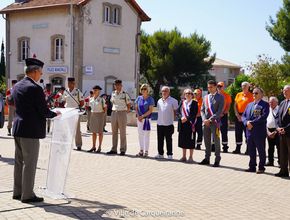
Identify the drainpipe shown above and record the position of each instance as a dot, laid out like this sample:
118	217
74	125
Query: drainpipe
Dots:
7	47
71	40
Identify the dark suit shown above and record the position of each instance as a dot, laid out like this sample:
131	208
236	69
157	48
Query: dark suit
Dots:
284	122
256	137
29	127
217	102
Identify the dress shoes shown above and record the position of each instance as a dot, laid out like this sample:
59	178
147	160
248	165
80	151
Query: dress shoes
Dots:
32	200
111	152
269	164
79	149
260	171
16	197
204	162
250	170
122	154
236	152
93	149
216	164
281	174
198	147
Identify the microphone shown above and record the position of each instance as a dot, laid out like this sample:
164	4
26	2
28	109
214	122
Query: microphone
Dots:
41	81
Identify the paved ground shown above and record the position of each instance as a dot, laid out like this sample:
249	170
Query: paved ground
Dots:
115	187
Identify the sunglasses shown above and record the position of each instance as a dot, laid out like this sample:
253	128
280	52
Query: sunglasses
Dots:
143	89
188	93
255	93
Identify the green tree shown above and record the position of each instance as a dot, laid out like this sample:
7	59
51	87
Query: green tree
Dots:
285	69
280	29
267	74
169	58
2	61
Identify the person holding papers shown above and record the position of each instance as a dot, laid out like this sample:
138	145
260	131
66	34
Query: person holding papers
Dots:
28	128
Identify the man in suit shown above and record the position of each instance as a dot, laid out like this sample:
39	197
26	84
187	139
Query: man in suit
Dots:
284	132
28	128
211	110
255	119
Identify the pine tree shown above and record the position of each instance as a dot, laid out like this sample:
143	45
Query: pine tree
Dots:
2	62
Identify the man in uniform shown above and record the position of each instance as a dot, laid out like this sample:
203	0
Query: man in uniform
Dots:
198	124
242	99
254	119
211	109
224	115
121	106
284	132
11	107
73	98
29	127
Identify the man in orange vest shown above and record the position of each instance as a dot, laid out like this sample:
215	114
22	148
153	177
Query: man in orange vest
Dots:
241	101
224	115
198	124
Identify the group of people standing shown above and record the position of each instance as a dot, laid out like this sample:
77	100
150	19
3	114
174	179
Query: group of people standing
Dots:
205	117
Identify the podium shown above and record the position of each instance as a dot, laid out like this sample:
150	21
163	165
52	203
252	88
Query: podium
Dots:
62	142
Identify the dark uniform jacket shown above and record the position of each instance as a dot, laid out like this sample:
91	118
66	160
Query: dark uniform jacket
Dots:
257	114
284	117
31	110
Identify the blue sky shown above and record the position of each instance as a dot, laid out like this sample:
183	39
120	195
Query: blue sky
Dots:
236	28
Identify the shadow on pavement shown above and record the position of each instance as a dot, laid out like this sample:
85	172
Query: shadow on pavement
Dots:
81	211
9	161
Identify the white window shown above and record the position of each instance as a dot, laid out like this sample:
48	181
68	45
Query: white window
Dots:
107	14
58	48
23	48
116	15
111	14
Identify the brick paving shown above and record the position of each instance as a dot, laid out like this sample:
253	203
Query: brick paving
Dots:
126	187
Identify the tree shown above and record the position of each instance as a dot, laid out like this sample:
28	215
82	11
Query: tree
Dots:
280	29
168	58
267	74
2	61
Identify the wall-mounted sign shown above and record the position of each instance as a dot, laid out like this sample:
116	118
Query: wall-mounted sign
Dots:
40	26
89	70
111	50
57	69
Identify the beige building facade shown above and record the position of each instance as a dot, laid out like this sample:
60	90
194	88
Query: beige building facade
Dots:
95	41
225	71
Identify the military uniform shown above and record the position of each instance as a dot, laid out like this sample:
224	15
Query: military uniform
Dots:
120	102
72	100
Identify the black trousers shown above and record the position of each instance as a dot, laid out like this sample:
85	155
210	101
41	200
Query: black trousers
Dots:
272	142
224	129
198	130
239	129
284	153
165	132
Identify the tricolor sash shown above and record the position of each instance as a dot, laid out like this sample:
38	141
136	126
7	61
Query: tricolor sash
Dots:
210	111
185	111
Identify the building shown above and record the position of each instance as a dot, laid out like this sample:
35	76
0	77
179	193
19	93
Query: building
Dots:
225	71
95	41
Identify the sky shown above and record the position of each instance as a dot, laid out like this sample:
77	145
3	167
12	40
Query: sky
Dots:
235	28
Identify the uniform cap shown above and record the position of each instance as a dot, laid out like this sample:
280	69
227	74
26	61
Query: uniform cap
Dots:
71	79
97	87
118	81
33	62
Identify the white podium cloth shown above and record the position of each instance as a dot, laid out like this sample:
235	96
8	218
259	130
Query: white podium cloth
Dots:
62	142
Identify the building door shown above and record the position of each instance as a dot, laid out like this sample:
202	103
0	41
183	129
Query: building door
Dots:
57	82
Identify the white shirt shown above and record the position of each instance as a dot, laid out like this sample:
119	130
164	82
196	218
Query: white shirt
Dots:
271	121
97	105
166	110
72	99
